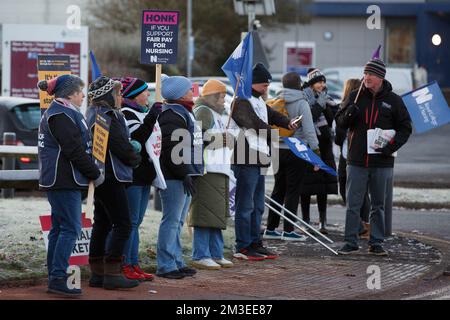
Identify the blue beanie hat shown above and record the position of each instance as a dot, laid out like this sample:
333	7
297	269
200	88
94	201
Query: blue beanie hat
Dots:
173	88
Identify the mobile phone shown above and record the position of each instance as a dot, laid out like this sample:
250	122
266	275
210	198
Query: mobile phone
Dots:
298	119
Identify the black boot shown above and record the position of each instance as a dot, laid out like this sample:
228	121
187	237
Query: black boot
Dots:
97	272
323	223
113	277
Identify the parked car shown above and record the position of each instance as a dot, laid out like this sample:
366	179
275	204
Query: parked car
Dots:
22	116
400	78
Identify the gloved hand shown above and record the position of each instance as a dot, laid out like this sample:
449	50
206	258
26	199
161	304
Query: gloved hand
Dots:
100	179
153	114
189	187
387	151
352	112
136	146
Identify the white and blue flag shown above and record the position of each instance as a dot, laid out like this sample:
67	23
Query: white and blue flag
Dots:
427	107
239	65
299	148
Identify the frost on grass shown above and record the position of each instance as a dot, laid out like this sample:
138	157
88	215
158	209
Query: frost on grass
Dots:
22	248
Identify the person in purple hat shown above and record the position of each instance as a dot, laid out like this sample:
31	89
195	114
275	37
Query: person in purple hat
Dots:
374	108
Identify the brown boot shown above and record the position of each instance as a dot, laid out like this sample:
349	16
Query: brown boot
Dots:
114	278
97	271
366	233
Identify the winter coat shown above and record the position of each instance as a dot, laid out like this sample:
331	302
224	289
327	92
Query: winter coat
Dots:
320	182
72	155
210	205
297	105
140	131
385	110
246	118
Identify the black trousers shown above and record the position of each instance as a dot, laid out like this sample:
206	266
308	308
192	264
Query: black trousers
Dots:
111	214
288	183
322	200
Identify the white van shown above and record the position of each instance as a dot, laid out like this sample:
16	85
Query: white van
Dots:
400	78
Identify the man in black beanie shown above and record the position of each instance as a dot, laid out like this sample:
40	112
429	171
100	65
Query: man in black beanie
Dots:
251	153
369	167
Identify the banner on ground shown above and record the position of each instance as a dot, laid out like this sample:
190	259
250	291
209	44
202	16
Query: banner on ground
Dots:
159	37
80	252
427	107
299	148
49	67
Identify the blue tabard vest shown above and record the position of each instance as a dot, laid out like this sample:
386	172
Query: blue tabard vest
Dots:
49	150
195	161
122	172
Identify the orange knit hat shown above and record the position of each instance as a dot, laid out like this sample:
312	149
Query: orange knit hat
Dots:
213	86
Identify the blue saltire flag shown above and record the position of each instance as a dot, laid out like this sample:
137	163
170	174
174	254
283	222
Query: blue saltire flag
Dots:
95	70
240	63
299	148
427	107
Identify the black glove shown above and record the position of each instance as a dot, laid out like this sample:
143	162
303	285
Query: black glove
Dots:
189	187
387	151
352	112
152	115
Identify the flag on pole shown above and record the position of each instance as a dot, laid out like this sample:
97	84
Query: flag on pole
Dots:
239	65
299	148
376	53
427	107
95	70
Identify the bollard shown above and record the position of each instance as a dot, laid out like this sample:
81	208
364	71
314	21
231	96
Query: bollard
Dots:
156	200
9	163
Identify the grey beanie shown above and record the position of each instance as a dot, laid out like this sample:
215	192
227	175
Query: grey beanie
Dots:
62	86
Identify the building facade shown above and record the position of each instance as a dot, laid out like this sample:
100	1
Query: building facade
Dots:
410	32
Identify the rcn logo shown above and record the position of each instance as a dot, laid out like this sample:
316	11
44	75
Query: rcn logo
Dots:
422	95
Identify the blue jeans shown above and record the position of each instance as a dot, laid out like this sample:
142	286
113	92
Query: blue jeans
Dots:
137	202
207	243
175	205
359	180
249	204
66	228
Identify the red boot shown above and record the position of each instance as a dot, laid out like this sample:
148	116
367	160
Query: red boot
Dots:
129	273
146	276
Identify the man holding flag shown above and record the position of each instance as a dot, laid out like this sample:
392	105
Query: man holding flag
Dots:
370	165
252	150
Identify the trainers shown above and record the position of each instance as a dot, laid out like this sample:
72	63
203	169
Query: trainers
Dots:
129	273
59	286
249	254
272	235
176	274
207	264
293	236
377	250
146	276
259	248
224	263
347	249
188	272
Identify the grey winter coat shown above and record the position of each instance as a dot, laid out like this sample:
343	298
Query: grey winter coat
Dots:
296	105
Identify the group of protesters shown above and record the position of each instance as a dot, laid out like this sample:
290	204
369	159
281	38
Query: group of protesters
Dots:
202	148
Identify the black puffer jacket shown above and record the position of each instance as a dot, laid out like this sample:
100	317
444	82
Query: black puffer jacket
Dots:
385	110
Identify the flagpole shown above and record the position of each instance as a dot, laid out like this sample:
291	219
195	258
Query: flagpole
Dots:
359	91
233	101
